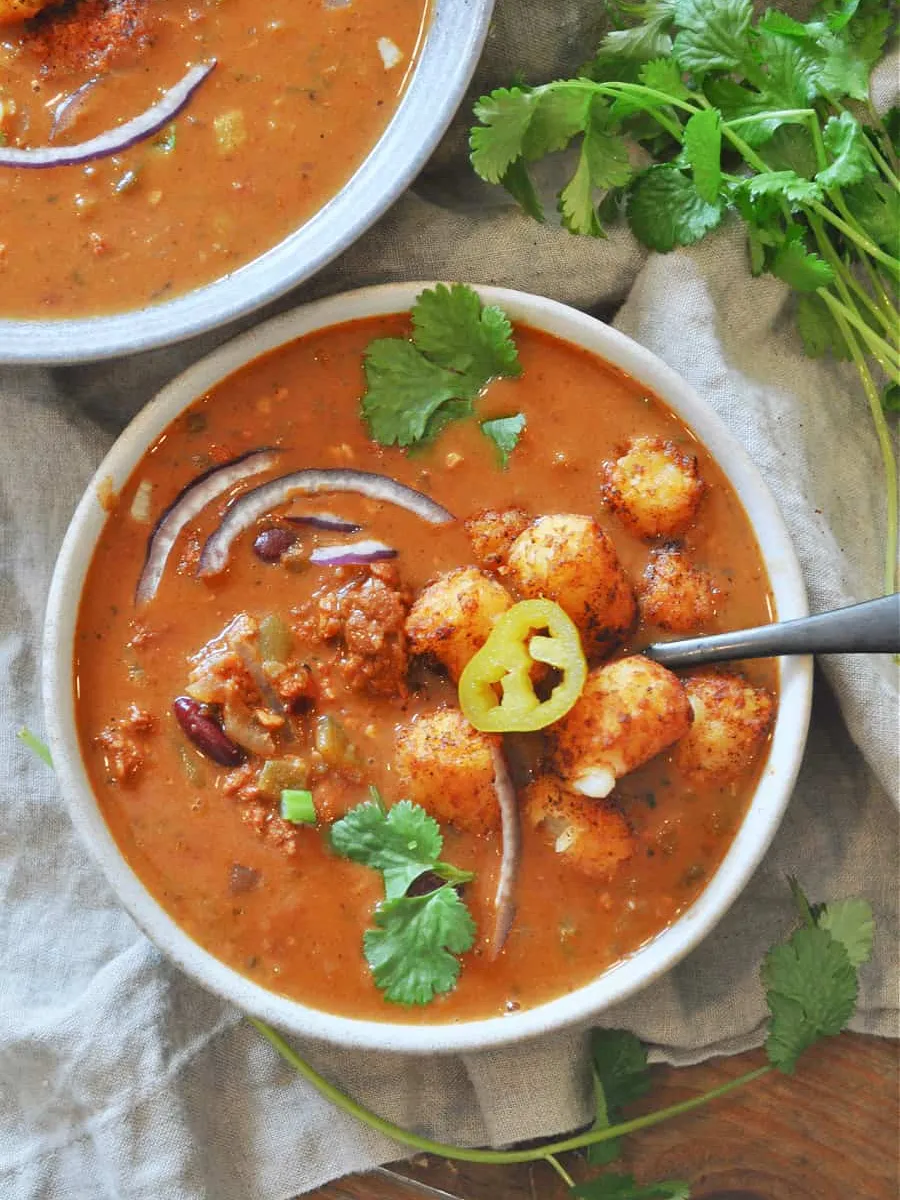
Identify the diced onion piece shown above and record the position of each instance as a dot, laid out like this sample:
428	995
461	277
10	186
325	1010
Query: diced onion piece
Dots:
247	509
323	520
113	141
140	505
390	52
597	782
187	505
505	896
351	554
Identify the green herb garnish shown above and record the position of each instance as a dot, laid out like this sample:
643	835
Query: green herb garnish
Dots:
504	432
458	346
412	950
811	983
737	116
35	745
298	806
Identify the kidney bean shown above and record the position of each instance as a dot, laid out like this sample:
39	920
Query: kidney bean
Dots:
428	882
206	734
242	879
270	544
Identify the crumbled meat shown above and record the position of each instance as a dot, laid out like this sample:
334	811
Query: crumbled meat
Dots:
268	824
122	744
296	686
364	609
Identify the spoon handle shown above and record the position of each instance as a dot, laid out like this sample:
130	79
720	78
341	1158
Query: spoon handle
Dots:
869	628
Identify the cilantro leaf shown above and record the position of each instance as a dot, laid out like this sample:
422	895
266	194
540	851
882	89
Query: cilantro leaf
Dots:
851	923
665	210
402	843
35	745
818	329
877	208
454	330
786	185
890	398
518	183
851	160
646	40
662	75
504	432
803	270
625	1187
497	142
403	391
792	74
811	992
412	950
621	1075
414	388
559	114
703	152
712	35
603	163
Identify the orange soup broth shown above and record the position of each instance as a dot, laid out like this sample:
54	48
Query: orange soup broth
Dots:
312	96
300	933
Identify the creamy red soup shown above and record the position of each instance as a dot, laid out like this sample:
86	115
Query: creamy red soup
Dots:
327	680
300	93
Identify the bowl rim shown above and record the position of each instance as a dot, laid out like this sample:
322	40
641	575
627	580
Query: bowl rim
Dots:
448	55
623	979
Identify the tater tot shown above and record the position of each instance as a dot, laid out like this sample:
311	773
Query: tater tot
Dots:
731	723
654	487
592	835
629	711
453	617
492	533
447	766
674	594
569	559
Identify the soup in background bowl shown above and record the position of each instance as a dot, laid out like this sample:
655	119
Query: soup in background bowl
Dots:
256	692
314	116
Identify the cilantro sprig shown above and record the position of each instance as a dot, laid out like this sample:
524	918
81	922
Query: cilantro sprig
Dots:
811	983
769	119
415	387
412	949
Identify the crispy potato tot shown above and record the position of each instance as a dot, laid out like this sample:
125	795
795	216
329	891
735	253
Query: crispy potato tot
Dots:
654	487
674	594
731	723
592	835
568	558
453	617
492	533
447	767
629	711
12	11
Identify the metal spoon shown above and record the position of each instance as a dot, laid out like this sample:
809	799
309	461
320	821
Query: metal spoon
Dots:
869	628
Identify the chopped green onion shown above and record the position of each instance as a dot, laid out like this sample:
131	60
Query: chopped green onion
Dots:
35	745
297	807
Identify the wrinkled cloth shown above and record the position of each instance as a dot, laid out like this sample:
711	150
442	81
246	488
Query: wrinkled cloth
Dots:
119	1077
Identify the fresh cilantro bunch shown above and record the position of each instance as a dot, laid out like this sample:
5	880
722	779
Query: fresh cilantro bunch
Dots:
416	387
698	111
811	983
412	949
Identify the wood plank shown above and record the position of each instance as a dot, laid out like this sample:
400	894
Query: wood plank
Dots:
830	1132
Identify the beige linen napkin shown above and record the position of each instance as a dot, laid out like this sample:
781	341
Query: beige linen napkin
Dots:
119	1077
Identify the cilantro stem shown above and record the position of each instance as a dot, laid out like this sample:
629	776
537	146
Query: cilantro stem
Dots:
560	1170
499	1157
798	115
887	356
617	90
860	239
884	439
879	289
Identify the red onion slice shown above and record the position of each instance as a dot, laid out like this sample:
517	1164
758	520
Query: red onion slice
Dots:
187	505
351	554
113	141
247	509
505	897
323	520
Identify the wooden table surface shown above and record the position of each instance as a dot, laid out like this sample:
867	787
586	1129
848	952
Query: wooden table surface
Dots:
830	1132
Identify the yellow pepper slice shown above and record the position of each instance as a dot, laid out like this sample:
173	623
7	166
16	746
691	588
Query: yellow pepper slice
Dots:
507	659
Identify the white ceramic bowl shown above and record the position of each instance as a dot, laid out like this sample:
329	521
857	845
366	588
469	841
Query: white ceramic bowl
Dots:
628	976
448	57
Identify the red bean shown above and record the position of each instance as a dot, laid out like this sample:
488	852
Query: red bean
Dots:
270	544
206	734
242	879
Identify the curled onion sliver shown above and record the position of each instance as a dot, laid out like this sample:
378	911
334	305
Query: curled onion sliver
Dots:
323	520
189	503
69	107
113	141
351	554
247	509
505	896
